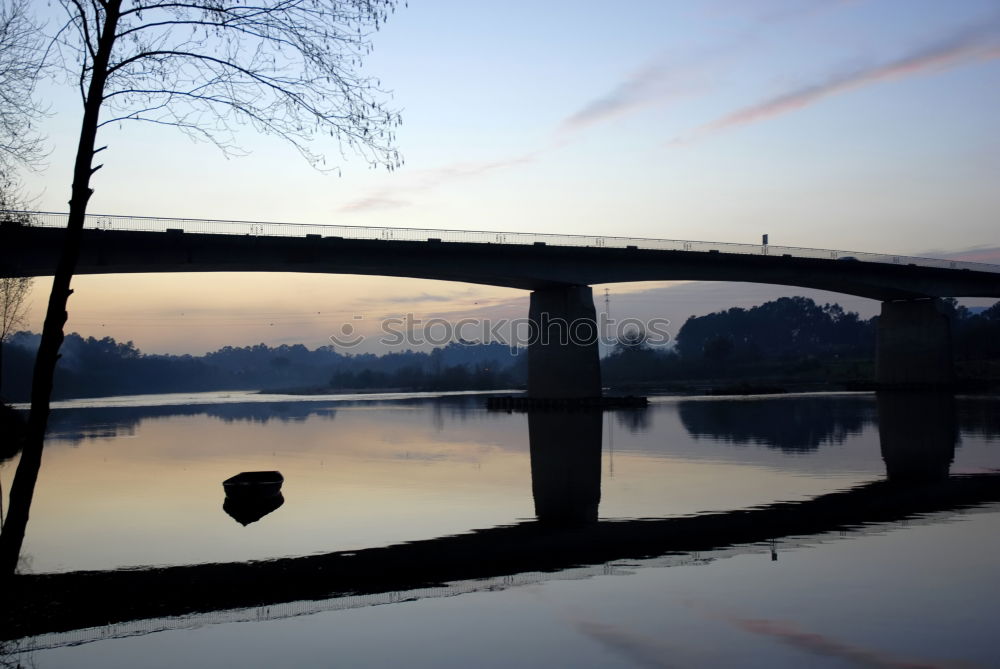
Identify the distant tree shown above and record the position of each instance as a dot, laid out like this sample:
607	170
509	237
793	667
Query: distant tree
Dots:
632	339
788	327
282	67
719	348
992	314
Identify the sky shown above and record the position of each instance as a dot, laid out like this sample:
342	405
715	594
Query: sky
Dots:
868	125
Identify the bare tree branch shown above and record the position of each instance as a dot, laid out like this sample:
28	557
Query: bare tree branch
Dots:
13	304
20	63
288	68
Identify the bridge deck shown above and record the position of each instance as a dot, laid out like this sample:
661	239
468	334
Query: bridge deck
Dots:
120	244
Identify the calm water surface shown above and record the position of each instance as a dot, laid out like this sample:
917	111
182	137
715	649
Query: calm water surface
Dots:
850	571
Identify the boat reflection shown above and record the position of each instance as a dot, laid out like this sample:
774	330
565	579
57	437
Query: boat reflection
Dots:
248	510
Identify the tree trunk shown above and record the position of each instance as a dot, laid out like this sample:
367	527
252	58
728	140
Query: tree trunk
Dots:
23	488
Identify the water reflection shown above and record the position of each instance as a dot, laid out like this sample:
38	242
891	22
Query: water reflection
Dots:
76	425
98	598
634	420
251	509
979	416
917	432
791	424
566	466
918	436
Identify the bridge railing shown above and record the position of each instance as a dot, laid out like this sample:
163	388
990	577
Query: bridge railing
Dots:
262	229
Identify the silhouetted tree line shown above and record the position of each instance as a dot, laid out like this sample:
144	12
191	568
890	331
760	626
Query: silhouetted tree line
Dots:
457	366
975	335
413	377
91	367
790	336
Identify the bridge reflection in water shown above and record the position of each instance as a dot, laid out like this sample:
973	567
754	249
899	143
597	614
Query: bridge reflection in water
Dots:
918	439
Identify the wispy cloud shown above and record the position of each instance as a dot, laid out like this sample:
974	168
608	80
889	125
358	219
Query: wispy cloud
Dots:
667	79
426	180
655	83
380	200
450	296
984	254
972	43
772	12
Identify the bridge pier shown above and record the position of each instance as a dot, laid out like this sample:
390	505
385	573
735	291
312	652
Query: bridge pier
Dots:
913	348
563	359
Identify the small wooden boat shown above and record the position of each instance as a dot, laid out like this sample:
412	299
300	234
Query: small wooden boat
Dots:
253	485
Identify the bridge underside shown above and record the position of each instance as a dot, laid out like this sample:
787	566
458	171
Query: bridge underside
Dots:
32	251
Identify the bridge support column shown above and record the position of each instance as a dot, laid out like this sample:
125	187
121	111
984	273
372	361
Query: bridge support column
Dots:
913	347
563	360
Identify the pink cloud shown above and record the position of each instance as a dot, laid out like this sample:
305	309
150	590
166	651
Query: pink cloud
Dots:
771	12
977	43
665	79
652	84
984	255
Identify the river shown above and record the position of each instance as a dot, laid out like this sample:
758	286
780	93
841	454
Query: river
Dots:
804	530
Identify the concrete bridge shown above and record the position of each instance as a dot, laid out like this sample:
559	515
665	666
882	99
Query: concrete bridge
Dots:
913	339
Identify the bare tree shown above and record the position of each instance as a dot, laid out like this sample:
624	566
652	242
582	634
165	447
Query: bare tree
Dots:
20	143
20	65
14	293
283	67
